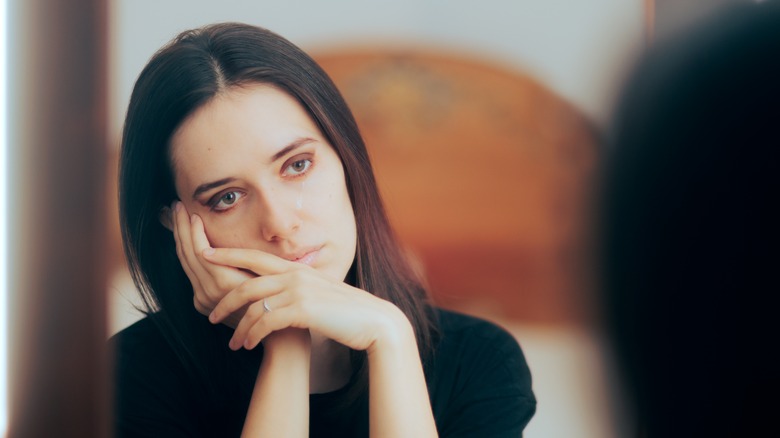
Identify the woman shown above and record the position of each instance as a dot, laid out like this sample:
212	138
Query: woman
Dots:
250	214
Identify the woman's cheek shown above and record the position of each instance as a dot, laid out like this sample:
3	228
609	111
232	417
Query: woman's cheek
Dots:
223	236
236	239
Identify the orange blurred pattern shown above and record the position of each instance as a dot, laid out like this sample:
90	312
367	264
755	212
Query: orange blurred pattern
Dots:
486	175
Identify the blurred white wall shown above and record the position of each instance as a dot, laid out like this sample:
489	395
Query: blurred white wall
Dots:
579	49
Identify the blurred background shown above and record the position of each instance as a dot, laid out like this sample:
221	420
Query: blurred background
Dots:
484	124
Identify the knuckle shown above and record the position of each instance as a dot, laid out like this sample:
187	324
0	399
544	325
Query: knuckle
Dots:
219	286
299	275
302	310
296	280
199	306
210	298
221	283
254	311
241	290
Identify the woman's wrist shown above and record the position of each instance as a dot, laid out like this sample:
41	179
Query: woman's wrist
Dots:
279	405
398	396
288	344
393	334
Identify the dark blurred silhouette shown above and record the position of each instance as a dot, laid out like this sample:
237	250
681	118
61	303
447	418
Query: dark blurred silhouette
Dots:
690	229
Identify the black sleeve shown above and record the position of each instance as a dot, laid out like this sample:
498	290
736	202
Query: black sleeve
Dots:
152	398
483	384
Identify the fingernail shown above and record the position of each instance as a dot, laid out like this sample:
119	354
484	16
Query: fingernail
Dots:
213	317
209	251
177	205
234	345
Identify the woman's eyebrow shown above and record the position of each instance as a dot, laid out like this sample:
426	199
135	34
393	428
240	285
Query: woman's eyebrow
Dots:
210	185
291	147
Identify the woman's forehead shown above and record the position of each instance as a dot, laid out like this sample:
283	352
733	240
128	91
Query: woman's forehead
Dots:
240	132
260	116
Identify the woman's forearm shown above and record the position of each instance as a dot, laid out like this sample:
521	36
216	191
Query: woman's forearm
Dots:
399	405
280	399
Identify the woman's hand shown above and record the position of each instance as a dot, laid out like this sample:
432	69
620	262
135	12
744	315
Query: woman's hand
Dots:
210	282
301	297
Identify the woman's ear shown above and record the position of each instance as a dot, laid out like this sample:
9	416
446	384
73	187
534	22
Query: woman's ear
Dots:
166	218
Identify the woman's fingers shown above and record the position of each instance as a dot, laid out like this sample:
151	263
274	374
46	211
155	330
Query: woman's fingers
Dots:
199	240
259	262
301	297
262	317
198	275
179	247
275	320
210	282
246	293
224	278
198	234
184	230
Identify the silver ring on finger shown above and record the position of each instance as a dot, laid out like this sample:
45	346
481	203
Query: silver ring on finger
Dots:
266	308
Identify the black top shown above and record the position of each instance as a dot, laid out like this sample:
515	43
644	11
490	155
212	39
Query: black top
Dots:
478	381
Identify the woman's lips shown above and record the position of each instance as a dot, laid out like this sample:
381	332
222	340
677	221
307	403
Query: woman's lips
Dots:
308	257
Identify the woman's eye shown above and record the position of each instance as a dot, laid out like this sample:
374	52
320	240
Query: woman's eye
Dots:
298	167
226	200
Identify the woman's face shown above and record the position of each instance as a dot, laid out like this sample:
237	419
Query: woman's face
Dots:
254	166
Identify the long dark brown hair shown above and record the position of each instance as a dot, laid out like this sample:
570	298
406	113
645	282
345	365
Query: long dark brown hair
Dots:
180	78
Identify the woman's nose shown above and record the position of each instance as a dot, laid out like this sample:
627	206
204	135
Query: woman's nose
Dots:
278	217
